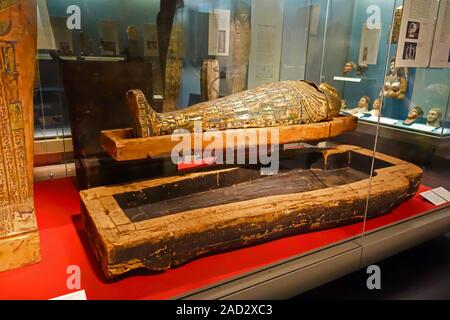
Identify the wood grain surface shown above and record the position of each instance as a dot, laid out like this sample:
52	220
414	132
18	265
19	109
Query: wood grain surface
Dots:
331	191
122	146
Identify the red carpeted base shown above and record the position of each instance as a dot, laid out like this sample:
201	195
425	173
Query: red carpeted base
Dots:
64	244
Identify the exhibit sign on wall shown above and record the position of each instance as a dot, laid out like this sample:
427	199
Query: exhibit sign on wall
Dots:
417	28
150	40
219	33
440	57
370	44
267	34
109	38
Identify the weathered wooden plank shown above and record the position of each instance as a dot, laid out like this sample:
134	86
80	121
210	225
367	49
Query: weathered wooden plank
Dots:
121	145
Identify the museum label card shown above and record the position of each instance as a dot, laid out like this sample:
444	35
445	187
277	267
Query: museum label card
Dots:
433	198
219	33
388	120
369	45
440	56
109	36
267	35
150	40
416	33
443	193
371	119
78	295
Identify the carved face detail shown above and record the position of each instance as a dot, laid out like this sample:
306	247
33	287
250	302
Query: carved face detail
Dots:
393	69
363	102
377	104
415	113
347	68
132	33
433	116
242	14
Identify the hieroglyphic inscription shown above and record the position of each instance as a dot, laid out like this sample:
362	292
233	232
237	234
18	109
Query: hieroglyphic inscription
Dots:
4	4
14	188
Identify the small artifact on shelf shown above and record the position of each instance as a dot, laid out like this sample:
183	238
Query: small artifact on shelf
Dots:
376	108
396	25
276	104
434	117
349	67
210	79
19	236
363	106
361	68
396	83
415	115
132	49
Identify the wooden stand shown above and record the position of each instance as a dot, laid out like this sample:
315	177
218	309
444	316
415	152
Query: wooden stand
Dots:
121	145
92	111
161	223
19	237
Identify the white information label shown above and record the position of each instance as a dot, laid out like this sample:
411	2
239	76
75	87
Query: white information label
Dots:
433	198
443	193
219	33
78	295
347	79
388	121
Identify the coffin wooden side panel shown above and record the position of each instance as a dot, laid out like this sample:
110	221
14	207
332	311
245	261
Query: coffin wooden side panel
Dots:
160	243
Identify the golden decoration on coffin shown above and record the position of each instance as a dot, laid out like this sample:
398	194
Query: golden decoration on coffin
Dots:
276	104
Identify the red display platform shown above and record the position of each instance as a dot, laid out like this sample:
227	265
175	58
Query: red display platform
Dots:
64	244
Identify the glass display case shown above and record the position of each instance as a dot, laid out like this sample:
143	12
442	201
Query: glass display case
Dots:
344	143
412	125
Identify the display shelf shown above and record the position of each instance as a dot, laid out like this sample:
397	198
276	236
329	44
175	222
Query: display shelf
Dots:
416	129
398	124
64	244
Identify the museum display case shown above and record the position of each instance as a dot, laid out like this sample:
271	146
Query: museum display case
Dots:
234	148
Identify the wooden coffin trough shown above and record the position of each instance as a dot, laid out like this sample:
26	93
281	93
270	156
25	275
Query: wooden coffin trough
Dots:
121	145
162	223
